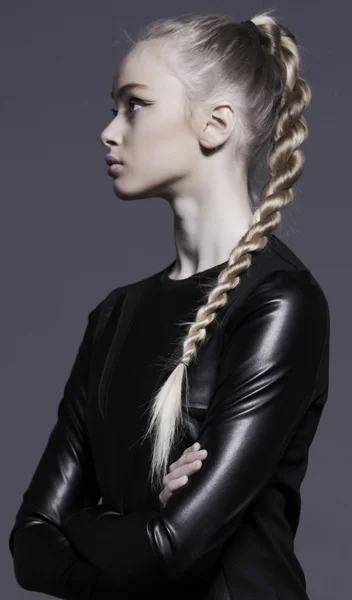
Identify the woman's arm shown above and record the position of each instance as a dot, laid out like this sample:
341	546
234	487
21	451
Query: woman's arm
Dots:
64	482
267	379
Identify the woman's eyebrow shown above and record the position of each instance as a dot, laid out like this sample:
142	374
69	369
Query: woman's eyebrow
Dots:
125	88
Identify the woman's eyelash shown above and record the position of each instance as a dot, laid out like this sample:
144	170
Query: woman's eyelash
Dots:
134	100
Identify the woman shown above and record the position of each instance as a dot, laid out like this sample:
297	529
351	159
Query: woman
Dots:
213	98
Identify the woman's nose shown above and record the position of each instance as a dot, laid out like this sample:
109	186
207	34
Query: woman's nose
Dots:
104	138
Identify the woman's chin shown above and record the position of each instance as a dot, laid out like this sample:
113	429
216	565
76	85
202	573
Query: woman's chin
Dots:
124	193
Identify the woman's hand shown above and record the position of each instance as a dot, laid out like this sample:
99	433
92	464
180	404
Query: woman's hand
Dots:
189	462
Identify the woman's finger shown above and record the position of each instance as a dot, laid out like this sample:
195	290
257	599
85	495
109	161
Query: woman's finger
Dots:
185	468
185	465
195	446
179	471
188	458
167	491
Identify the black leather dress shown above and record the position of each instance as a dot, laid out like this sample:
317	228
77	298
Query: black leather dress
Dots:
89	525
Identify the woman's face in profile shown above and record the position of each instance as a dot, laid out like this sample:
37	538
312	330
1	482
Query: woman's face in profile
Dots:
149	131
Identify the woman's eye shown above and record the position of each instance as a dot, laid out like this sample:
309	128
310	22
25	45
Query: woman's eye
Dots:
133	101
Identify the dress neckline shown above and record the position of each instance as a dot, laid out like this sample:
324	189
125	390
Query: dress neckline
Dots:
167	282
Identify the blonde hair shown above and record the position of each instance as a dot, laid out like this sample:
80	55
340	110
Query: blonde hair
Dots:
211	55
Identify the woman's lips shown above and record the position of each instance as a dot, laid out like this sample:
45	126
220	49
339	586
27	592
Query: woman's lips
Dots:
115	169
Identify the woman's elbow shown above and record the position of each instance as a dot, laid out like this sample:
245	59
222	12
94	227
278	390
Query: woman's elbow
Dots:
36	556
22	547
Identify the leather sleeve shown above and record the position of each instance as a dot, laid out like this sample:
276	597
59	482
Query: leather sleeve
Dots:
266	382
64	481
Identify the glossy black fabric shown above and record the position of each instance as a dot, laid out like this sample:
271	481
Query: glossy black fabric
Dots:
257	391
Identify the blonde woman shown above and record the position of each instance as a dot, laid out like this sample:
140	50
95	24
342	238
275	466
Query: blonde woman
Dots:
227	347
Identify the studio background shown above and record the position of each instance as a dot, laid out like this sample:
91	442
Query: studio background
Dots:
67	240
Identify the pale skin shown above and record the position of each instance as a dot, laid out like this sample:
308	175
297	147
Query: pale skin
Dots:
195	168
179	471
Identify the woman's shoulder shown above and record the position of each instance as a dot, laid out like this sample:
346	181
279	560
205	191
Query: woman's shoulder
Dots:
295	288
278	282
280	270
287	274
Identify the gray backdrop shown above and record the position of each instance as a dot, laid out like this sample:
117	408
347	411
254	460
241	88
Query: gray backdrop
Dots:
68	240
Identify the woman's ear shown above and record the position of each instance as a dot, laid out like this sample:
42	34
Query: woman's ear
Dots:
216	125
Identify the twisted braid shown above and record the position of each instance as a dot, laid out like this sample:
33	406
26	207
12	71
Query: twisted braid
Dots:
284	125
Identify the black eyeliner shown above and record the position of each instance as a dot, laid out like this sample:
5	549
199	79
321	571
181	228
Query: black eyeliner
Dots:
133	99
